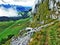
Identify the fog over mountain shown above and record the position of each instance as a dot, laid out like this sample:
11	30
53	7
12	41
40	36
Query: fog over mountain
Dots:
8	12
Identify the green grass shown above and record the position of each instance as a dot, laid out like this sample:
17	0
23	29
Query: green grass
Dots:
14	28
5	24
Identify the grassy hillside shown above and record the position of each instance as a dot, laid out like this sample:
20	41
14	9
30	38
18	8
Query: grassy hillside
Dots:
13	29
5	24
47	36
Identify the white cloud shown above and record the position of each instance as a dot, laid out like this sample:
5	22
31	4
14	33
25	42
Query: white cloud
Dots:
8	12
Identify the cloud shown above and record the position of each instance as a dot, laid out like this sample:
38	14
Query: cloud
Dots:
8	12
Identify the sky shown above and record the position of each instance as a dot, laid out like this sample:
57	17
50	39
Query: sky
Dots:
12	12
19	2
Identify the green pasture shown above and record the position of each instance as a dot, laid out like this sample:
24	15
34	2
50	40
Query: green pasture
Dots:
14	28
